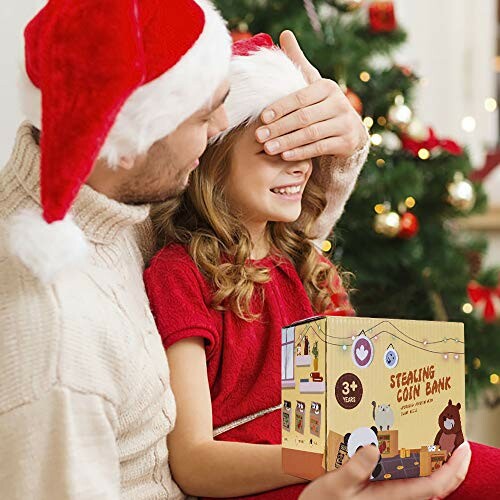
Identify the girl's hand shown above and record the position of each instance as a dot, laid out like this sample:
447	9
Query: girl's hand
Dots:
351	480
315	121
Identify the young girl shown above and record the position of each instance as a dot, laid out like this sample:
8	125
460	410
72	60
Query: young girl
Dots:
239	263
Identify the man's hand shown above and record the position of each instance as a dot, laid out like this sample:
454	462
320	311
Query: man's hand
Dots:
351	480
315	121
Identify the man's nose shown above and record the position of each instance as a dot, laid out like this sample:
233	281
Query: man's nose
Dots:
218	123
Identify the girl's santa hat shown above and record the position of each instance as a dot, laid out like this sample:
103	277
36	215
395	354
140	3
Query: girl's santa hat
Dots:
107	80
260	74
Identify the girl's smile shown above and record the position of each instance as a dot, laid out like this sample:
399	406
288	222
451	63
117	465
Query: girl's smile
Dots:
291	192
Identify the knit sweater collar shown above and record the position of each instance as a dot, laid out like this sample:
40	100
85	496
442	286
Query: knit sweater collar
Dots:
99	217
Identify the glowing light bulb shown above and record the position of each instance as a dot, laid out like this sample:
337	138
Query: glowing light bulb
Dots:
468	123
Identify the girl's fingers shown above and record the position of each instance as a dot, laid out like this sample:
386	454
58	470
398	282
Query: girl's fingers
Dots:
451	475
436	486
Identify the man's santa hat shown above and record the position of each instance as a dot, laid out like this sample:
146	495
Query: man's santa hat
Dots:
107	79
260	74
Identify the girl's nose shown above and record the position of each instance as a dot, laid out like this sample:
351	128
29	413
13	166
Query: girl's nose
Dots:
300	167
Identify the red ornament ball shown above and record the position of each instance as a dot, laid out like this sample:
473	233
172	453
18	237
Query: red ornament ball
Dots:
408	226
382	17
355	101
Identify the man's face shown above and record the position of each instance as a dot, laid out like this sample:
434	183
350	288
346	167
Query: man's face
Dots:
163	172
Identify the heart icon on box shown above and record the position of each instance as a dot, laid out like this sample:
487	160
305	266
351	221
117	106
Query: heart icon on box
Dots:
361	353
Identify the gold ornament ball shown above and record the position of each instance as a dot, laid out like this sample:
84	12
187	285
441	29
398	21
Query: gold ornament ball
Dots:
417	130
461	194
400	115
387	224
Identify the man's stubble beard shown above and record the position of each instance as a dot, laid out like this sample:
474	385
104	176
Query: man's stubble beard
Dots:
157	181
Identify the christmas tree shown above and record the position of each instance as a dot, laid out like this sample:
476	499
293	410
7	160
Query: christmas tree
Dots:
400	234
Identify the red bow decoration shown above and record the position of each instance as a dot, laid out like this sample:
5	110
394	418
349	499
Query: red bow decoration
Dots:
479	294
414	146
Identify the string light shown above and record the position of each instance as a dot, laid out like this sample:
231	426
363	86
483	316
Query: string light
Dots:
424	154
326	246
380	162
379	208
456	356
382	121
476	363
468	123
364	76
399	100
467	308
445	356
410	202
368	121
494	378
490	104
376	139
344	347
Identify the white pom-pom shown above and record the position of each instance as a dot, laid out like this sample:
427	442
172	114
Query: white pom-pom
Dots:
46	249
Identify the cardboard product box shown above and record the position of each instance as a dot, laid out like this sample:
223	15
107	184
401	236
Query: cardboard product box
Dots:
348	382
431	459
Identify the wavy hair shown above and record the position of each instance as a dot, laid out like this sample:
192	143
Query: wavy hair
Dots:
202	220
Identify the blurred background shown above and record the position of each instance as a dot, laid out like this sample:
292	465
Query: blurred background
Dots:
421	233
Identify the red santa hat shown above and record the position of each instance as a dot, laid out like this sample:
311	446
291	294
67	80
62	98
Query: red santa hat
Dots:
107	80
260	74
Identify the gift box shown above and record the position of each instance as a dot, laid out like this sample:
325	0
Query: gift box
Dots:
431	459
391	383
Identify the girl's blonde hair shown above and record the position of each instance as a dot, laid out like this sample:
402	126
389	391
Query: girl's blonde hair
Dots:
220	245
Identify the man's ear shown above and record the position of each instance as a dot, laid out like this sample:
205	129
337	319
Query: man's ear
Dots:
126	162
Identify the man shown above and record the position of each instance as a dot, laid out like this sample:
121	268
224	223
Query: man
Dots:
130	92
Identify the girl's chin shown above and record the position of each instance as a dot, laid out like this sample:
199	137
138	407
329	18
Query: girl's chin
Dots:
282	216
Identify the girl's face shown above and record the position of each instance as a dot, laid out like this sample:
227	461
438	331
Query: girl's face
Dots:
264	188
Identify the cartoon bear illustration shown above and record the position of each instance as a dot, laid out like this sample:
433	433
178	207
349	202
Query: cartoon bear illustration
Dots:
450	434
383	416
359	438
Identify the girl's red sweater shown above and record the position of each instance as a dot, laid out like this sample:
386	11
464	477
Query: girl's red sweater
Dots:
243	358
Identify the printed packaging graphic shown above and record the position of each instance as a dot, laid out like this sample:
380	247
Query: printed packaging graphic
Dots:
392	383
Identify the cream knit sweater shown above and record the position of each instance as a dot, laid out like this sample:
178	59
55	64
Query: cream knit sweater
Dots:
85	400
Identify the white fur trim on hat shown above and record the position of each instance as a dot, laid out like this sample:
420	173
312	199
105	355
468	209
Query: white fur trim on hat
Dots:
256	81
157	108
46	249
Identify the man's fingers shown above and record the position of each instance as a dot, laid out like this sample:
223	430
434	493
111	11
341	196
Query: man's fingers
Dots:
297	120
333	146
291	47
305	136
302	98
